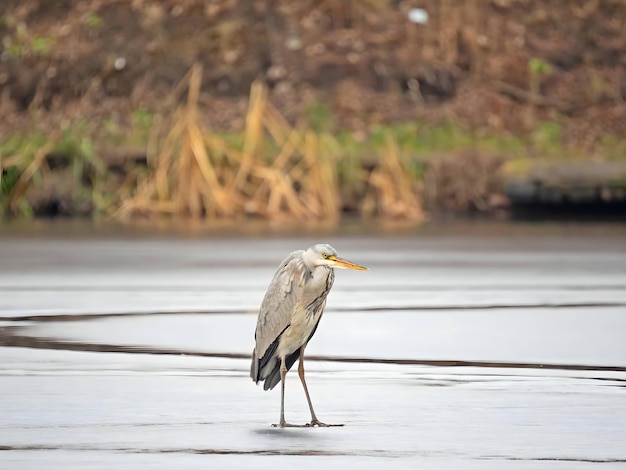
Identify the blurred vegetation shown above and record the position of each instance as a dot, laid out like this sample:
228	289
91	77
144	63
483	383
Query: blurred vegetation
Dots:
303	111
175	166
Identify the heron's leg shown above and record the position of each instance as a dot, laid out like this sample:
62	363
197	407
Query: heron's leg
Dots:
283	375
306	390
282	423
314	420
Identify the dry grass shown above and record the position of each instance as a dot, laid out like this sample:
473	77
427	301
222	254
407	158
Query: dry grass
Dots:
281	172
36	167
391	187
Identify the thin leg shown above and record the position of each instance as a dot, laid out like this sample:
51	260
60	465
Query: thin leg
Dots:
283	375
314	420
282	423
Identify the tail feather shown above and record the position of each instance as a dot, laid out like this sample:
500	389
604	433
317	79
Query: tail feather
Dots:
272	380
273	377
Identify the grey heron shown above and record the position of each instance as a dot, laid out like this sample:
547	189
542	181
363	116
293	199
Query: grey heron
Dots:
290	313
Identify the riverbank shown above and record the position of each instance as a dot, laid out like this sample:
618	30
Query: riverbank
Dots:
277	171
305	112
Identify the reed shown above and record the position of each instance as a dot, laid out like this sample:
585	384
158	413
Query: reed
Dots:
280	172
274	170
392	191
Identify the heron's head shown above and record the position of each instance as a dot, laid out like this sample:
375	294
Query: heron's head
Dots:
326	255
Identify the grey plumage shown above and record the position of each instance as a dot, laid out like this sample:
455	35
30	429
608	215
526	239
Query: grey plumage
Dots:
290	313
288	297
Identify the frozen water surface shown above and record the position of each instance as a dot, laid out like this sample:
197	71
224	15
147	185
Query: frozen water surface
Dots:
498	351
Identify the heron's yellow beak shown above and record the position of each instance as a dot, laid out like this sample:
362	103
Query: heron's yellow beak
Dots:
344	263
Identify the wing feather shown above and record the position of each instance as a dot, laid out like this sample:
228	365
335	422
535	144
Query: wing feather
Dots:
278	306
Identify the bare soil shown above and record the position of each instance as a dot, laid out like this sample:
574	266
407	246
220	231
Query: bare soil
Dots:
365	61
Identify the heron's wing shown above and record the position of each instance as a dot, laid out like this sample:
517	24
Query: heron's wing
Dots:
280	301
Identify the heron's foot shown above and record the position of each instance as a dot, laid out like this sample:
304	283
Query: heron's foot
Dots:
317	422
289	425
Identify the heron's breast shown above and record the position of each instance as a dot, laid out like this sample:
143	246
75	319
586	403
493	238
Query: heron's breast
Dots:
303	323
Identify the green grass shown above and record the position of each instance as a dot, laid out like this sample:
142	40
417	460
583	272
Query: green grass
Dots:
93	20
41	46
319	117
419	140
547	138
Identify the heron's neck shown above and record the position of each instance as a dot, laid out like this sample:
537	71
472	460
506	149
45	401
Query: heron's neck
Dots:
322	278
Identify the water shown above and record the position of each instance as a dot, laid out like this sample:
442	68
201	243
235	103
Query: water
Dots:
462	347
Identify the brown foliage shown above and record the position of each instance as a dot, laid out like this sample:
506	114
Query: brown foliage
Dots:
196	173
469	64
